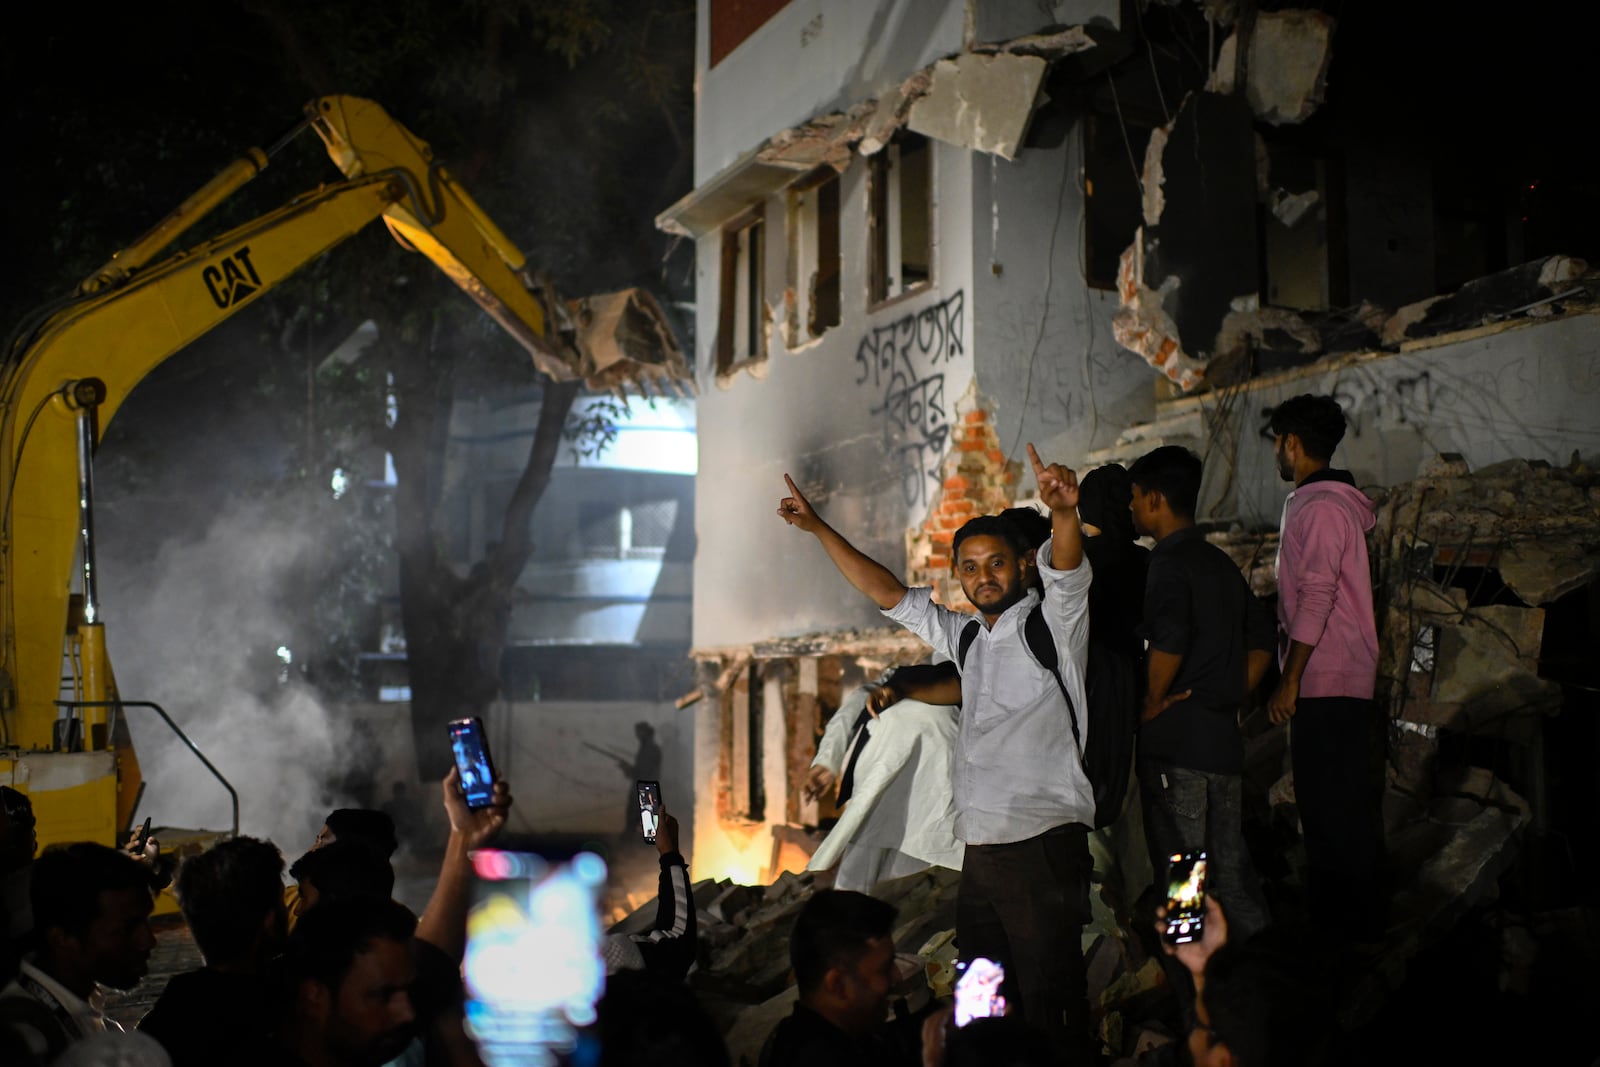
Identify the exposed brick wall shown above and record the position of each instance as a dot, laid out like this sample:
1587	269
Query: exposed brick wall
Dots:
977	480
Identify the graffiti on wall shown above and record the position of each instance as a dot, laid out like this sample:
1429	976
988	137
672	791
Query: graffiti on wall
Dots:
901	365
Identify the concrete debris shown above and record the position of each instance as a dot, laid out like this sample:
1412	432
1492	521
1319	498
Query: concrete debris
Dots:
981	102
1287	71
1053	45
1496	297
1488	667
1541	572
1153	177
1142	325
1291	208
1274	328
625	339
827	139
1196	251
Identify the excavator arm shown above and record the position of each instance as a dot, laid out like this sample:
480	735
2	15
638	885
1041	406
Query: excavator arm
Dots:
68	370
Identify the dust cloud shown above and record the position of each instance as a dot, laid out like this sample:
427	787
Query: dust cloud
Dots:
196	629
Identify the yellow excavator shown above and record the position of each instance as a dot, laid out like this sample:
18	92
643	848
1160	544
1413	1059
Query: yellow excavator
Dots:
69	365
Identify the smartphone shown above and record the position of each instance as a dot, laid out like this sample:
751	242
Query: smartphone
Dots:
144	835
472	761
978	991
649	808
533	966
1186	896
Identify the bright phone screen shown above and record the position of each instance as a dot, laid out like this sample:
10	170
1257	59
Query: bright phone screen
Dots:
472	761
533	968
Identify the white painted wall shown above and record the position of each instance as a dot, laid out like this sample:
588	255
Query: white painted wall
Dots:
813	57
1527	393
563	786
1045	355
834	415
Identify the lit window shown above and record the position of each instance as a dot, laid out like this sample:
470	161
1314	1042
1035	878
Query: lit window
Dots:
741	326
814	261
900	188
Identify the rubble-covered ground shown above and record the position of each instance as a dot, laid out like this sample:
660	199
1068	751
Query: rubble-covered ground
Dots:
1488	586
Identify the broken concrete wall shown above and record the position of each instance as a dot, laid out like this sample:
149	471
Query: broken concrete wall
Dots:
812	58
1050	370
1196	257
1528	389
861	418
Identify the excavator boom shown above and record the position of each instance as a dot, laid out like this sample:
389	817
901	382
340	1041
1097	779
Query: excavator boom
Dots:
71	366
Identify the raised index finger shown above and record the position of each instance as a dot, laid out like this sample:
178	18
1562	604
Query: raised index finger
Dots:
792	490
1038	464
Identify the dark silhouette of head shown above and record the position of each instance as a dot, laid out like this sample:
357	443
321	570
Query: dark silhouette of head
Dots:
340	871
91	916
1174	473
1104	495
374	828
231	896
842	951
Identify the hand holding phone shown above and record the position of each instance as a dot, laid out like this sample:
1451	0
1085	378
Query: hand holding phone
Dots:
1186	897
138	839
649	807
978	991
471	751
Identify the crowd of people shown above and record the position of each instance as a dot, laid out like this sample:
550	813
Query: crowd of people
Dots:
1026	788
326	968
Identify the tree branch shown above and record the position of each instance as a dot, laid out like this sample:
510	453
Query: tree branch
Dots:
516	544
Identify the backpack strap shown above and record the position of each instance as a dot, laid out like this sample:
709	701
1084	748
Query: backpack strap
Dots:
969	634
1036	632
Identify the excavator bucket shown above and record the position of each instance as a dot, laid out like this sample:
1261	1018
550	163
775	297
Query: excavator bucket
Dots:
626	342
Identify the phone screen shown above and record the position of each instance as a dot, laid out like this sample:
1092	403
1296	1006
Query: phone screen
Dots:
978	991
1186	896
533	967
472	761
649	808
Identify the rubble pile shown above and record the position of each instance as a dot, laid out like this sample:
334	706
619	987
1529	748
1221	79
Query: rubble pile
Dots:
743	977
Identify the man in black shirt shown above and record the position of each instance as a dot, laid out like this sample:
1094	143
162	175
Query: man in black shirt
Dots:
232	897
1210	641
842	951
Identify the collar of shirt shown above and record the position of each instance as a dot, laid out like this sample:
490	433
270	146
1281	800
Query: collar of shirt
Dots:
1328	474
1177	538
89	1014
1014	614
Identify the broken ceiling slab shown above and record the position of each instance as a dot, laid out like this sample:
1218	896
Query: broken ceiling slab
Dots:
1287	71
1496	297
825	140
981	102
741	183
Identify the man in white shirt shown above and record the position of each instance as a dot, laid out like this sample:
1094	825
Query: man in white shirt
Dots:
91	913
893	774
1024	805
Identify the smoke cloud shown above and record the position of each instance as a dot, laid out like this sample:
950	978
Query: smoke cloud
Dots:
196	629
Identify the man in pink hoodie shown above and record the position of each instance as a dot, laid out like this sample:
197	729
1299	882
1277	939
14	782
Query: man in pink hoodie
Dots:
1328	653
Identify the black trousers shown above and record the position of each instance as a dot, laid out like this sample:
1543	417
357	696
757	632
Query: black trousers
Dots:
1337	745
1024	905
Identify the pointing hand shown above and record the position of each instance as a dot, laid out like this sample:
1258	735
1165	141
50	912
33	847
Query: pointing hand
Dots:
795	509
1058	484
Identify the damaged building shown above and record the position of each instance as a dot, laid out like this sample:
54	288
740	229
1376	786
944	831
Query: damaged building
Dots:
931	232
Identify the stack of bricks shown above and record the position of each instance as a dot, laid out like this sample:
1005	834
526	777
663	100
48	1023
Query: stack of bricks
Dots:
976	480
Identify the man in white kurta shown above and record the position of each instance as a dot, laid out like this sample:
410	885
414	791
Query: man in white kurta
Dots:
899	818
